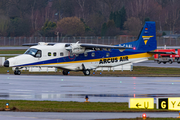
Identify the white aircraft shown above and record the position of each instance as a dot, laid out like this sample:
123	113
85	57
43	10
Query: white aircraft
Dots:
86	57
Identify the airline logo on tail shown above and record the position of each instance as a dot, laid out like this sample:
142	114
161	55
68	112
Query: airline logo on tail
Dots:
146	38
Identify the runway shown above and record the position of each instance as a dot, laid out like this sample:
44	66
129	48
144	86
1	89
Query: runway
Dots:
80	116
75	88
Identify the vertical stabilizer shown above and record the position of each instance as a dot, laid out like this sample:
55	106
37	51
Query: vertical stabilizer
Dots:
146	40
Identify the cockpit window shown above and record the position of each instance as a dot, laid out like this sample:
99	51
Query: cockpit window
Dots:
38	54
67	45
34	52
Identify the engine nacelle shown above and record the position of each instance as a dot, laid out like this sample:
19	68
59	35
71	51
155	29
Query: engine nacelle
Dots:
75	48
78	50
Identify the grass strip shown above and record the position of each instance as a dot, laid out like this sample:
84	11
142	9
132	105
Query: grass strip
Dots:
12	51
56	106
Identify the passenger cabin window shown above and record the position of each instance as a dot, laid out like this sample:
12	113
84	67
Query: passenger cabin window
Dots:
107	54
34	52
54	54
93	54
49	53
85	54
61	54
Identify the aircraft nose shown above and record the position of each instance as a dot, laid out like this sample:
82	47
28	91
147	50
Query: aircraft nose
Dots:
6	63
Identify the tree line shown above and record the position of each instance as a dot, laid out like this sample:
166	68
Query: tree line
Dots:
86	17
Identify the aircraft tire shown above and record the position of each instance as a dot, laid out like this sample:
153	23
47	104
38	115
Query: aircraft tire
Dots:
86	72
17	72
158	62
170	62
65	72
164	62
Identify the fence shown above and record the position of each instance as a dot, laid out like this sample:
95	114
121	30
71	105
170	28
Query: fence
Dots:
18	41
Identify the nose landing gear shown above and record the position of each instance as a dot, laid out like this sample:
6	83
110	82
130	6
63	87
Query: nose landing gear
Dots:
17	71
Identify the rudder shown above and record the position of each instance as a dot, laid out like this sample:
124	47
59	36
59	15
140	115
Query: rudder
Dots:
147	38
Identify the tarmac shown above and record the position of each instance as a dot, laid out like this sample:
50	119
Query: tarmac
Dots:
75	88
81	116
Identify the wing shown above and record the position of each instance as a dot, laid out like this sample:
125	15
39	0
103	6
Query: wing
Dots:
29	44
103	46
39	43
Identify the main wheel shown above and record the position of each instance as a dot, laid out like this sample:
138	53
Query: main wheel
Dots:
170	61
158	62
164	62
65	72
86	72
18	72
15	72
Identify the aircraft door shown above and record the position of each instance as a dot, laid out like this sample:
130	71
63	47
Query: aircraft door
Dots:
99	54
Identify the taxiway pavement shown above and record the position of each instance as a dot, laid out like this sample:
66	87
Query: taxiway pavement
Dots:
75	88
80	116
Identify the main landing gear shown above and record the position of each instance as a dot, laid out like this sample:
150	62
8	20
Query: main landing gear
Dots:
86	72
17	71
65	72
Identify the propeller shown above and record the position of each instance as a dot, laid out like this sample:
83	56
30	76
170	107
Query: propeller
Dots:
71	46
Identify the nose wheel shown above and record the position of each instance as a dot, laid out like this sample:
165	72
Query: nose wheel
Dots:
17	71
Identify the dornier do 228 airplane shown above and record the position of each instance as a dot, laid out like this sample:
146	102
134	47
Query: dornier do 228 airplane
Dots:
86	57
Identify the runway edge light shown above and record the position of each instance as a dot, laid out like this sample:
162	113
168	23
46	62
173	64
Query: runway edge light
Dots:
86	98
179	115
7	107
144	116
